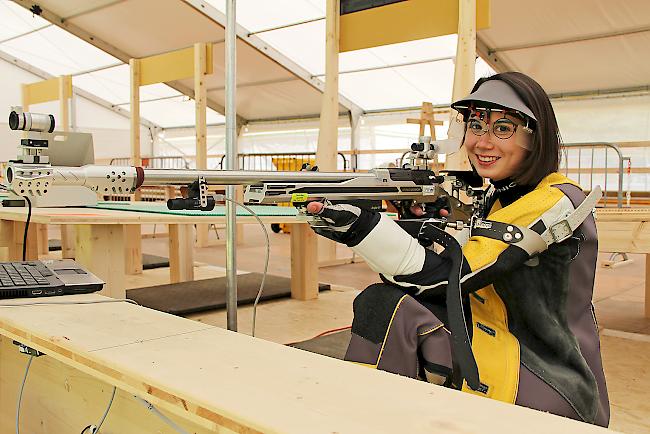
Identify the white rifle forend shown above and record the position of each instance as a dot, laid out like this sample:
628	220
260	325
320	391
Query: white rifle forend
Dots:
422	185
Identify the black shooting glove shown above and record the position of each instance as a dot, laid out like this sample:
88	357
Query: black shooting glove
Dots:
344	223
408	209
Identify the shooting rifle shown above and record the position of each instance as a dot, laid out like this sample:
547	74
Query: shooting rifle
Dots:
33	176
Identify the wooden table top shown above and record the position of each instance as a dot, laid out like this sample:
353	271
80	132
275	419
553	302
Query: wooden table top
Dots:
248	384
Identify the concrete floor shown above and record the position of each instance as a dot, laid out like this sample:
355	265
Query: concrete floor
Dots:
618	299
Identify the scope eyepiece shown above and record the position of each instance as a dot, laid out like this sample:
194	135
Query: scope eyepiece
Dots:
25	121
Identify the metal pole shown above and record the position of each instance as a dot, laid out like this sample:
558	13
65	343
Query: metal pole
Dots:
231	163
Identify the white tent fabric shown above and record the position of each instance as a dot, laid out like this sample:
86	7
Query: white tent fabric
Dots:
572	46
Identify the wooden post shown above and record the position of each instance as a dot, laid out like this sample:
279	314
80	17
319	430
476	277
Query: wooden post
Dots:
67	241
136	155
463	71
16	237
133	234
64	103
200	100
100	248
647	285
329	116
67	232
132	249
304	266
181	253
43	241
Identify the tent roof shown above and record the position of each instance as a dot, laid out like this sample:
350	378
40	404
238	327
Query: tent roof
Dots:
572	46
269	84
281	53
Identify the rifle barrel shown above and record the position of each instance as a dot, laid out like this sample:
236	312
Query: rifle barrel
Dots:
241	177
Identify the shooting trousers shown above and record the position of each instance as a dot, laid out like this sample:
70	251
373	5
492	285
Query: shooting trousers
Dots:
394	332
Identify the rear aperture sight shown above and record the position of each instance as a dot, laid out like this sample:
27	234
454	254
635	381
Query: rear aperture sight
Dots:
26	121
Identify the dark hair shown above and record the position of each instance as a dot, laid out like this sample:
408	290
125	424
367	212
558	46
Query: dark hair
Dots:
544	156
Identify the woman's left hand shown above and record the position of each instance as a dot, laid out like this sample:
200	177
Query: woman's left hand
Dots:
335	220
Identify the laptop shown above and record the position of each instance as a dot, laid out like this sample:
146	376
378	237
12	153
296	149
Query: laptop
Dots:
21	279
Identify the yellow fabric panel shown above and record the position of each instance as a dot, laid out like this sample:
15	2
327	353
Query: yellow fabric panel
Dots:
404	21
497	357
174	65
47	90
482	251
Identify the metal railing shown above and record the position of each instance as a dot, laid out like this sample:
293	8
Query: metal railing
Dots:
155	162
590	149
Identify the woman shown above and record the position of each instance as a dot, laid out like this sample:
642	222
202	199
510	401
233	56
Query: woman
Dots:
530	317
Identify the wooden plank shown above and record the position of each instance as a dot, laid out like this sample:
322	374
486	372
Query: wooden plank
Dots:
46	90
405	21
624	236
61	399
100	248
216	378
463	72
626	230
304	263
174	65
133	249
181	253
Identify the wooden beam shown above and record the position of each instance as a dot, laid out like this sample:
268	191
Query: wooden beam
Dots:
64	94
47	90
329	117
463	72
175	65
134	65
200	71
405	21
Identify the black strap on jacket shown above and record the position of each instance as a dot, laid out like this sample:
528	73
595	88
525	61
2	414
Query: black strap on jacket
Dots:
460	342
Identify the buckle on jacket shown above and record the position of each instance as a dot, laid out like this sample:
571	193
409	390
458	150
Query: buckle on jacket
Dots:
560	231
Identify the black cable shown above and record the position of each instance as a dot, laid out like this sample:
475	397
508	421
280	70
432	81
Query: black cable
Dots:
29	216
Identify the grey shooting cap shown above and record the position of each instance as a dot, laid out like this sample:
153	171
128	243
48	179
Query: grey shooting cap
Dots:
494	92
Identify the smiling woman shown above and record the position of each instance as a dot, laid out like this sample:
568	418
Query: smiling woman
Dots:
534	340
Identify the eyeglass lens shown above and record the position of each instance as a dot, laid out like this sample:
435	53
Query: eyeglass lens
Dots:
502	128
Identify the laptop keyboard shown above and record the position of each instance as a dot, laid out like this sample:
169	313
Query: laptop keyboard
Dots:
25	279
24	274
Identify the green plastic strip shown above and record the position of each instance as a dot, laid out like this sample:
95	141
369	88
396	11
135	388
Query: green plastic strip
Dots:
218	211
